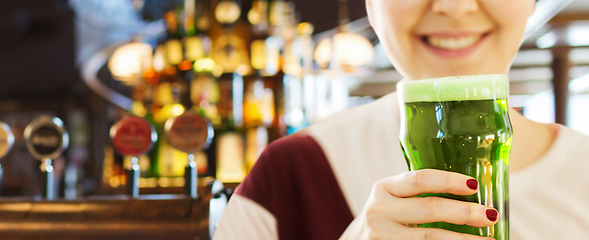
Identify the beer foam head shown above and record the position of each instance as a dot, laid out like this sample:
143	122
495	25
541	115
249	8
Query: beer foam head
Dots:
458	88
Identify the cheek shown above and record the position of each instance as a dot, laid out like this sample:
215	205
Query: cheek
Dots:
510	15
396	21
405	15
395	16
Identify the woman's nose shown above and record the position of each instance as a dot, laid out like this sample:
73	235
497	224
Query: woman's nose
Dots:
455	8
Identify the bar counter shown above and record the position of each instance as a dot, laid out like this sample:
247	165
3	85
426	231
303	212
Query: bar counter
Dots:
106	217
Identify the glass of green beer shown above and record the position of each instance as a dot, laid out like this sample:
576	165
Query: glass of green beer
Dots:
461	124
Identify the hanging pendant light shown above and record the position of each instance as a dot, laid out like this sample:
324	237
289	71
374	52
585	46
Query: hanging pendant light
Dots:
129	61
323	52
346	49
352	49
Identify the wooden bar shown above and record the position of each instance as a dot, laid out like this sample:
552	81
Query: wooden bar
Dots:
561	66
116	217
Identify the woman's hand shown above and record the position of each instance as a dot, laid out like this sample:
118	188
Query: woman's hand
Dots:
390	209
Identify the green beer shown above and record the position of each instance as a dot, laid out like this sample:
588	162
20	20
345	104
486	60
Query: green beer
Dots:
461	124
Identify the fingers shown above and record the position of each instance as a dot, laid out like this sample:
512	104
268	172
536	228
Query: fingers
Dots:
413	183
434	209
438	234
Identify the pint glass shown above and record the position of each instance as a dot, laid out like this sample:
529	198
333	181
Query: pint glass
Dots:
461	124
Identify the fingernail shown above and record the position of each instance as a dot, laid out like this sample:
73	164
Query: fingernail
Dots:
492	214
472	184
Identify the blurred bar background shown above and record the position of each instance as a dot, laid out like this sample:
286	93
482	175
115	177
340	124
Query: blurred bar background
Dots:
257	70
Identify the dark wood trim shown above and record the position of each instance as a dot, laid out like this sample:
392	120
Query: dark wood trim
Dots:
564	19
114	217
561	66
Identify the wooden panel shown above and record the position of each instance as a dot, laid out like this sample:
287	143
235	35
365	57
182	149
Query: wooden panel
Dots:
374	89
37	44
525	88
564	19
561	66
162	217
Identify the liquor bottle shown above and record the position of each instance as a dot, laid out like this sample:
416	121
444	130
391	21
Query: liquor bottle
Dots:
173	43
294	116
230	50
232	63
283	31
276	13
258	98
205	91
192	38
160	66
272	100
229	139
189	23
255	115
298	79
292	64
151	79
254	91
252	105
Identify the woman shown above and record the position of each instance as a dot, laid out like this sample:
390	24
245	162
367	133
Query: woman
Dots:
346	177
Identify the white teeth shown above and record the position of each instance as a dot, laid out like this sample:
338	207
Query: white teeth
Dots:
452	43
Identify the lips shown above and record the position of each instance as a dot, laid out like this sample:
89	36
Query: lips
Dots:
453	45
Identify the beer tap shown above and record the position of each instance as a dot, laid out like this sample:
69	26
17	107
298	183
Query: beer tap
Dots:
133	136
46	139
189	133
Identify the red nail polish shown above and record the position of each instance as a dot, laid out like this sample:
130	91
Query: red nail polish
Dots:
472	184
492	214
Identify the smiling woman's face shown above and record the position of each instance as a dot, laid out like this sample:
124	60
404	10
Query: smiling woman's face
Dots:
437	38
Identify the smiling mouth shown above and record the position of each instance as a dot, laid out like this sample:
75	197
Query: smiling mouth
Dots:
453	42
